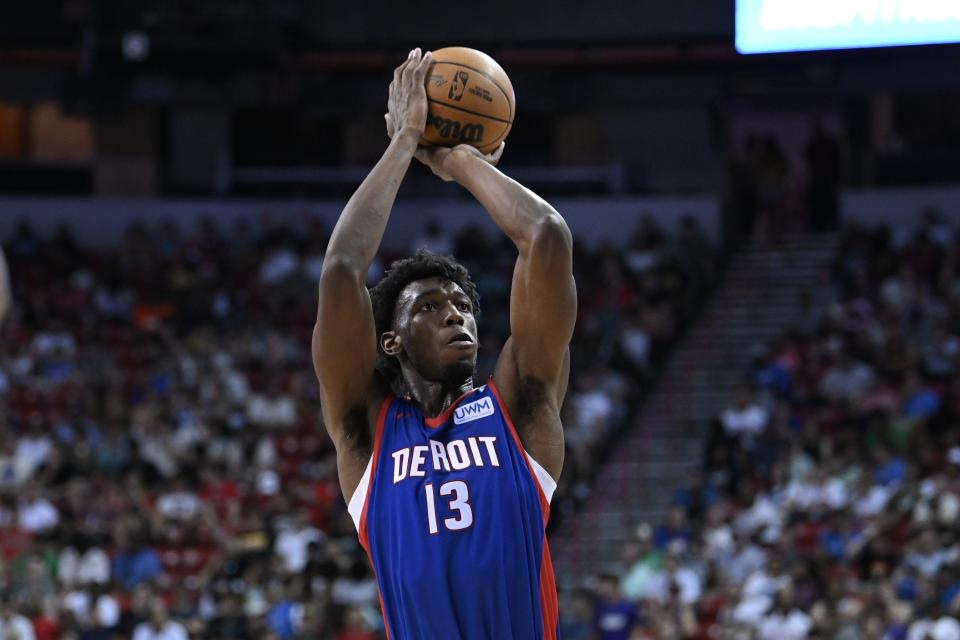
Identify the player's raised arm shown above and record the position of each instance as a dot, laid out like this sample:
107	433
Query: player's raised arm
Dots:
6	295
543	299
344	340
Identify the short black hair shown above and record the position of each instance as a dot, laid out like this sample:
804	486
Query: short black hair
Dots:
383	296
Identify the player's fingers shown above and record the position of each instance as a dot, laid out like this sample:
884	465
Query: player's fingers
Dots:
398	72
389	122
423	66
411	65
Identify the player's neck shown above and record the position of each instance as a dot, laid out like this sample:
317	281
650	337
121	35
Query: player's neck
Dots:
434	397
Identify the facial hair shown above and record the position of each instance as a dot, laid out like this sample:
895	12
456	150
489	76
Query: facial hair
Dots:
454	375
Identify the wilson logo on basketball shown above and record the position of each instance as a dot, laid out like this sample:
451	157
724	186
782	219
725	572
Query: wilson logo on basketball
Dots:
473	411
468	133
459	85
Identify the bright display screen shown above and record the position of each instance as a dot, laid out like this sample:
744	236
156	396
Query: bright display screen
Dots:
768	26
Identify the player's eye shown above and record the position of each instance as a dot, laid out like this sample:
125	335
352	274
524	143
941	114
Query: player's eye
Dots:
429	306
465	307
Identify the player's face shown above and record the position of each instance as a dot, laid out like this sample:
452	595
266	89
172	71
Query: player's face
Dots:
434	320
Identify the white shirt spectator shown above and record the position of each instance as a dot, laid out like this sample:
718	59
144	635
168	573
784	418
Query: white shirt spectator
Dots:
748	559
179	505
106	612
718	542
278	265
265	453
172	630
751	611
78	602
846	381
350	592
749	420
38	515
873	501
636	342
279	411
946	628
31	452
18	627
155	450
928	564
291	545
593	407
763	513
46	342
687	580
826	494
91	567
794	625
920	629
761	583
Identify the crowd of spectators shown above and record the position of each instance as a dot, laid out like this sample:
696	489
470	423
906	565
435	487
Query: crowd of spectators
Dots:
164	472
828	504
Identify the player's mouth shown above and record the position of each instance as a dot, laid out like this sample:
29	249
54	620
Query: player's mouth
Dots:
462	340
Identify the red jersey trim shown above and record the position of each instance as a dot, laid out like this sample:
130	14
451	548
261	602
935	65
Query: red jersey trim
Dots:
438	421
549	607
377	440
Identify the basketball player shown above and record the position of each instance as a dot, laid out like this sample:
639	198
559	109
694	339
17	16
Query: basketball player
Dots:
448	484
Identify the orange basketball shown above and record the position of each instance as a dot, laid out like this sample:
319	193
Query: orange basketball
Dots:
470	100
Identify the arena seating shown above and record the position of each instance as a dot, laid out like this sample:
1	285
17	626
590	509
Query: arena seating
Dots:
161	449
827	504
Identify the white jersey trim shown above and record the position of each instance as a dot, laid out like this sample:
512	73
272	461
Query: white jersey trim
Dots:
355	507
547	484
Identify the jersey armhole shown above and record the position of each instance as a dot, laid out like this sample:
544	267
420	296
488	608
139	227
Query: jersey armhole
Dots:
544	480
357	507
359	497
547	484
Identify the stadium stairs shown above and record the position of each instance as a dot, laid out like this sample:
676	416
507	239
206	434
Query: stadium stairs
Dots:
757	299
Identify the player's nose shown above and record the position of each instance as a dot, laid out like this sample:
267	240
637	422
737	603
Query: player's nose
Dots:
453	316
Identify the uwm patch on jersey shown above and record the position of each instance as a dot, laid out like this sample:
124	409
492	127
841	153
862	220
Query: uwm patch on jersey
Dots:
473	410
453	513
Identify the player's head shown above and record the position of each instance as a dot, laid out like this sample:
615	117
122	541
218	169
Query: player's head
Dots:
425	310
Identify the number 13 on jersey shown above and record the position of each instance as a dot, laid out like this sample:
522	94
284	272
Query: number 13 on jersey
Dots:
457	502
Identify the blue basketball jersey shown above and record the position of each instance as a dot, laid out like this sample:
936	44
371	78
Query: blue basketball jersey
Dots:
452	512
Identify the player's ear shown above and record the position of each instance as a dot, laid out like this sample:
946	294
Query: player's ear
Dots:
391	343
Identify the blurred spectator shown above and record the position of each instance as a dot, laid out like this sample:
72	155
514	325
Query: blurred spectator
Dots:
13	626
746	418
159	626
614	616
134	562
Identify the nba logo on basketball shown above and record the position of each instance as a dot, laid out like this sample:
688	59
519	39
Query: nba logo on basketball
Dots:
473	411
459	85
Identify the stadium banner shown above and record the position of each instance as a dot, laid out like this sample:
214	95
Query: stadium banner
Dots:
771	26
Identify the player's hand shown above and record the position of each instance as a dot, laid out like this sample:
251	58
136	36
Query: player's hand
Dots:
407	104
441	160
